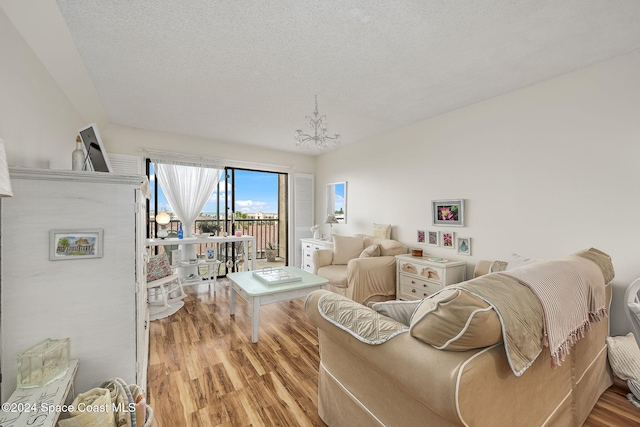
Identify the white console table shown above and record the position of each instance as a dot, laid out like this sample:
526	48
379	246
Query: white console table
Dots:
248	240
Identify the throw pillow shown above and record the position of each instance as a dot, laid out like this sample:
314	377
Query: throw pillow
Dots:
456	320
346	248
634	388
624	357
382	230
400	311
158	267
370	251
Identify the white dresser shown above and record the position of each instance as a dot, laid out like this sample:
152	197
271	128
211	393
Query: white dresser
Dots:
309	246
418	277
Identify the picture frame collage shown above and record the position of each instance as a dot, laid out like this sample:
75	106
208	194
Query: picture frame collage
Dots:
449	213
445	239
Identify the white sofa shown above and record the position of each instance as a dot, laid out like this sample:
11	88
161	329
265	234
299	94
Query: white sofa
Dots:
377	370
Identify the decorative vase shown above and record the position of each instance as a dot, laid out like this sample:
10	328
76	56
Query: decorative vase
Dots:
77	157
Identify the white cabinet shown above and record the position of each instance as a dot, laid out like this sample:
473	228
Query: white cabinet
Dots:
96	302
309	246
418	277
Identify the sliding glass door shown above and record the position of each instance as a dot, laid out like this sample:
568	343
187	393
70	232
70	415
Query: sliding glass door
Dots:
247	201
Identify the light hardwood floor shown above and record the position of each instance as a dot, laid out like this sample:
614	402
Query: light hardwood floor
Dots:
204	370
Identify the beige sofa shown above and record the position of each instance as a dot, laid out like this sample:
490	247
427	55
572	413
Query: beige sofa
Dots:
374	372
356	276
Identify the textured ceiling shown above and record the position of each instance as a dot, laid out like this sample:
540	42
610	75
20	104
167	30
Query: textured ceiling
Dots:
247	71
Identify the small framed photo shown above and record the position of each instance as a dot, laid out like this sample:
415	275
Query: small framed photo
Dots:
433	238
75	244
421	236
463	245
448	212
211	254
447	239
176	257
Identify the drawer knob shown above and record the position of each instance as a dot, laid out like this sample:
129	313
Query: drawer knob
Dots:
424	285
426	295
413	290
413	282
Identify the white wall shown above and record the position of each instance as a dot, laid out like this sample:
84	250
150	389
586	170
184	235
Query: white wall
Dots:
37	121
545	171
127	140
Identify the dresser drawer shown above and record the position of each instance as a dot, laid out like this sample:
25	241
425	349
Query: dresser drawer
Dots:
306	246
408	292
307	260
418	284
434	274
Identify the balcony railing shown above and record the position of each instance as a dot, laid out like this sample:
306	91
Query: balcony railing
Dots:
266	231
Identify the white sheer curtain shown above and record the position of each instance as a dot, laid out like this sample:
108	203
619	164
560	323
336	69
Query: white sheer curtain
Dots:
187	189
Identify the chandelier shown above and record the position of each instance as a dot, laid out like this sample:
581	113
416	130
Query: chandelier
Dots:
319	127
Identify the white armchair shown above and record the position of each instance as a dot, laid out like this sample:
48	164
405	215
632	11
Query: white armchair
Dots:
362	268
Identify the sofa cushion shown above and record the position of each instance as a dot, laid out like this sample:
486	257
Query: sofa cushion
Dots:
335	274
370	251
398	310
346	248
382	230
388	247
456	320
392	248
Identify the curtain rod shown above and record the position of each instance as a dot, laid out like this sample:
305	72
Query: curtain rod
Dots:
209	161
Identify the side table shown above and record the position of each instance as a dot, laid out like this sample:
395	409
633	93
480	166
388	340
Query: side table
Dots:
419	277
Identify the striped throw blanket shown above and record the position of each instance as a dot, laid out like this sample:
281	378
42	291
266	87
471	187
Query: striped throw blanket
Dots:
572	294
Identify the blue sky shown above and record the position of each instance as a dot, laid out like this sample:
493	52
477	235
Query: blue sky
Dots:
255	191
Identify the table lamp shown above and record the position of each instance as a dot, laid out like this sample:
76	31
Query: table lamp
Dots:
331	219
162	219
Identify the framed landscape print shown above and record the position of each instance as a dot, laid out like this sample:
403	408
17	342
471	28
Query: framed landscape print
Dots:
75	244
463	245
448	212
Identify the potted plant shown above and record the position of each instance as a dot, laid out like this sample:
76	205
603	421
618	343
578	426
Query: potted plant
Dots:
271	252
209	227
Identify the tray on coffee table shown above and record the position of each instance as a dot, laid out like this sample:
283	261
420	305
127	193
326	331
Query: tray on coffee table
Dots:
275	276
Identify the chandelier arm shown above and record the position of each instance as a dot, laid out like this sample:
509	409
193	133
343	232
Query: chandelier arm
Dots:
320	137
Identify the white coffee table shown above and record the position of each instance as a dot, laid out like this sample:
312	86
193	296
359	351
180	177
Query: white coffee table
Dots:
257	293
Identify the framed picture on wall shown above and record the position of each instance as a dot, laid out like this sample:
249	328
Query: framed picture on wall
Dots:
463	245
448	212
433	238
75	244
447	239
421	236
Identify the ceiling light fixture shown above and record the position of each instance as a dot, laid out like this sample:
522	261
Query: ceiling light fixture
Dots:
319	126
